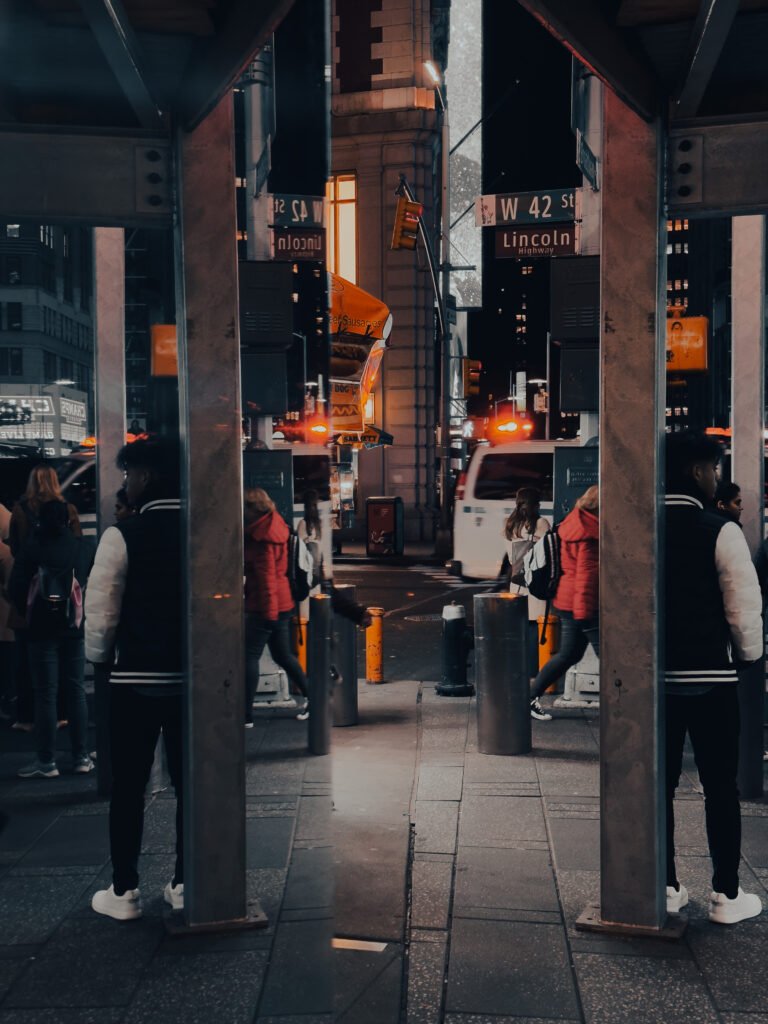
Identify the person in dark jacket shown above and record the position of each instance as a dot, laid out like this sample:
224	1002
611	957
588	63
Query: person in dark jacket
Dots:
134	616
52	553
713	624
576	600
269	603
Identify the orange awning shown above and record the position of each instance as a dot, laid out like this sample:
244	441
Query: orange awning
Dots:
355	311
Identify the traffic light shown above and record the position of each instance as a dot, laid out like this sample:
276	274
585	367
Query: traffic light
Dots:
406	229
470	373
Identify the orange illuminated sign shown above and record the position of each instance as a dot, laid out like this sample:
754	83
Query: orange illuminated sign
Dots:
687	344
165	361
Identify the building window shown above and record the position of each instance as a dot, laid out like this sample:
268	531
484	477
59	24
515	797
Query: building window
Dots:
15	317
50	368
67	369
341	193
13	269
46	235
11	362
12	230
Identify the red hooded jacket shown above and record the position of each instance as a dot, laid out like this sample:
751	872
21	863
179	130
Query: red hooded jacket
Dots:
577	590
267	590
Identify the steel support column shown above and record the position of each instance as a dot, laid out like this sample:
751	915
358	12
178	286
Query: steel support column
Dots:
109	306
632	372
209	384
747	458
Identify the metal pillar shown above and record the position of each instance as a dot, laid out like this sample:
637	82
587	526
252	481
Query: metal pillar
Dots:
632	374
319	674
503	696
109	305
747	455
345	659
209	386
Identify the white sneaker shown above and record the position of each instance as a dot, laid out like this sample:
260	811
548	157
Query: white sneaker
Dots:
538	712
122	908
725	911
174	895
676	899
303	715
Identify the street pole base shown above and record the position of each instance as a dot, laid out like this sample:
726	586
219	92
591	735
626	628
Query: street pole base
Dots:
375	682
444	690
176	925
589	920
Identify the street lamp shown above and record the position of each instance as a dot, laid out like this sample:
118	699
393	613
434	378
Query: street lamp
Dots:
444	529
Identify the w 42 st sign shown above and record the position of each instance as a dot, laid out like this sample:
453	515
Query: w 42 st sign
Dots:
555	205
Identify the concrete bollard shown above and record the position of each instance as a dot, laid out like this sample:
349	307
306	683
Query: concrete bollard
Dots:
345	660
319	676
457	643
501	677
374	647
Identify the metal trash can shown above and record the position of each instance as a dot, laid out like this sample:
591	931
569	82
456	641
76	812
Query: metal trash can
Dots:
501	677
384	526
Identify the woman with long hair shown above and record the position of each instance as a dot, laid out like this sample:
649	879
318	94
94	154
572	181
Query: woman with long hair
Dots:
576	600
268	600
42	486
524	526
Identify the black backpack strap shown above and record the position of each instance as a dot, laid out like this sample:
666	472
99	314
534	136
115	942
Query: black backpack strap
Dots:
547	608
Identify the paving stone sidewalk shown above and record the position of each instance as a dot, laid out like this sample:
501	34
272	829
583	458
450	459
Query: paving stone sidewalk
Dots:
484	863
60	963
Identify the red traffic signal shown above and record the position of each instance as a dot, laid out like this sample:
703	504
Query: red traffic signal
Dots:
405	232
470	374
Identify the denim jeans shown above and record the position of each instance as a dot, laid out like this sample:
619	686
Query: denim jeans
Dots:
712	722
59	664
260	633
135	723
574	637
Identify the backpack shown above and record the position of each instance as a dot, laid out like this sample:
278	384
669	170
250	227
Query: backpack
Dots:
300	568
542	569
54	601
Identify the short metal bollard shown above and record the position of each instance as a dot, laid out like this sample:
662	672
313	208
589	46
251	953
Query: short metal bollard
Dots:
345	659
457	643
319	678
374	647
101	702
501	677
751	746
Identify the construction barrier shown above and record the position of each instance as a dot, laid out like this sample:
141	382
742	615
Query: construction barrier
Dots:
374	647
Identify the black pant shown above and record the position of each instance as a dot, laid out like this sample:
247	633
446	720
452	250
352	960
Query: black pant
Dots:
260	633
574	637
135	721
712	722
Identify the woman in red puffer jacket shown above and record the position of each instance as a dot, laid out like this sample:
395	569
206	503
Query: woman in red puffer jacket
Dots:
268	599
576	601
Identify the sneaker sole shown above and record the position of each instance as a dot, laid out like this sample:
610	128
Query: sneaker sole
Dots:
541	718
735	920
117	915
84	771
38	775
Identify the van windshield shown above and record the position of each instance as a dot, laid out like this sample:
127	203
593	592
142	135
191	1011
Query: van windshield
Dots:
501	475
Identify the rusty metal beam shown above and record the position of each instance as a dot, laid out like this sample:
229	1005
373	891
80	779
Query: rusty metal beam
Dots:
710	31
584	30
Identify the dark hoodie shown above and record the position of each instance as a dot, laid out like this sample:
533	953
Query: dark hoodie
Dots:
577	591
267	589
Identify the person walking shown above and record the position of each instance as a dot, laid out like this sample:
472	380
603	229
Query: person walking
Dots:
524	526
269	603
134	610
49	575
123	509
576	600
7	637
42	486
713	625
728	501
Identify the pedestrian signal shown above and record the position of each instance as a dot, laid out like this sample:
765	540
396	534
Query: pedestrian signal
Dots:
470	372
406	230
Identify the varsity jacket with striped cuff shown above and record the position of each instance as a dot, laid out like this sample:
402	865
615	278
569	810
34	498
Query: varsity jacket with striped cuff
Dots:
713	606
133	604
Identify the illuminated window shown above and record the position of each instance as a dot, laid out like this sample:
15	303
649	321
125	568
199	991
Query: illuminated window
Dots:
11	230
341	192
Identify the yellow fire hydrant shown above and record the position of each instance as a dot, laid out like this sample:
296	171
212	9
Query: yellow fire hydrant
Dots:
374	647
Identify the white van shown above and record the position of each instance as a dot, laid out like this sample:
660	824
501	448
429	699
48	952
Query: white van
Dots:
485	496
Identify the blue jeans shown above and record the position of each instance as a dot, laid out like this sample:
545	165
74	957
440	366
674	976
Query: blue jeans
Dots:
260	633
59	663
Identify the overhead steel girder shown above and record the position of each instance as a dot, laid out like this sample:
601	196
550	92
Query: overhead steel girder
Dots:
717	169
115	36
710	32
583	29
103	180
